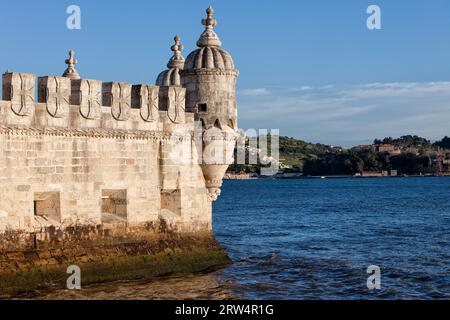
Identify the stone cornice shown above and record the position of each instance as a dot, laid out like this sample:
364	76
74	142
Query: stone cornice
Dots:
93	133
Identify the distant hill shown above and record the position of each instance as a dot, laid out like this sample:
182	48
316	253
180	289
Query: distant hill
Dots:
415	155
293	153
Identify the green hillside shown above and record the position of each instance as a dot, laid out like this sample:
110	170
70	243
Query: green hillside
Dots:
415	155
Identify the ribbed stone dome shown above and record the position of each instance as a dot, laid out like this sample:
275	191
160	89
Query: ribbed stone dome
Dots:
169	77
209	58
210	55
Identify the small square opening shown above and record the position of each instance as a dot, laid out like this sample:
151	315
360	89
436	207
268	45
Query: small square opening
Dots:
202	107
114	205
171	201
48	206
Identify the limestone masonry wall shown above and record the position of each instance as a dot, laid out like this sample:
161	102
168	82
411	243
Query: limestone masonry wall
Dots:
79	152
93	170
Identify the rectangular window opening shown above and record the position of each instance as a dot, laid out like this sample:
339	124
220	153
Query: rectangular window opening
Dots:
171	201
47	205
114	205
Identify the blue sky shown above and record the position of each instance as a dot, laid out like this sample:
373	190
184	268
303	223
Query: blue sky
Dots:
310	68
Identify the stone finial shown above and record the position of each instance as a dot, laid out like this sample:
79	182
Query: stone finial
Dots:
209	36
177	60
210	21
171	77
71	72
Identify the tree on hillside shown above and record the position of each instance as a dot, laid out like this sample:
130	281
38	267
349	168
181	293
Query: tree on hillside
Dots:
407	141
444	143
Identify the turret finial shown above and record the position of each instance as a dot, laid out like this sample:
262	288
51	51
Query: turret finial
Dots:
71	72
177	60
209	22
171	77
209	36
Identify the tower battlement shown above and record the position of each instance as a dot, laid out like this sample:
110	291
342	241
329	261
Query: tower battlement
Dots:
83	103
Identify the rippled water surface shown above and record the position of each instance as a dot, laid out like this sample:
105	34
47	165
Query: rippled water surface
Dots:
314	239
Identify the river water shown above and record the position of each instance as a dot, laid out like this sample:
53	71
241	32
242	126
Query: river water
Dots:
315	239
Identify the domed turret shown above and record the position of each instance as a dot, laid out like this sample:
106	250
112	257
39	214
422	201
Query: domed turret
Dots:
209	58
209	77
171	77
209	55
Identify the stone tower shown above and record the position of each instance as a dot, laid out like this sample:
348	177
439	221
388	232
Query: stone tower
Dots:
209	77
117	172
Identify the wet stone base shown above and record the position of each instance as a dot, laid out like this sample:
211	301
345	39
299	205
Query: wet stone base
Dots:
26	271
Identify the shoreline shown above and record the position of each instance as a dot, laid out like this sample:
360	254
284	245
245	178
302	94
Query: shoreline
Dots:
335	177
24	271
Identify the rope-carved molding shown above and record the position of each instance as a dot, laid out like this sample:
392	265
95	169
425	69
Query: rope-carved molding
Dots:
95	133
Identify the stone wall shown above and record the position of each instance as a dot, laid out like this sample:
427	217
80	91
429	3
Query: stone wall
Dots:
104	176
61	163
114	177
103	254
219	107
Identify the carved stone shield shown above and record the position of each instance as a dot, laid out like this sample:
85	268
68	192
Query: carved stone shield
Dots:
149	103
22	94
176	107
57	93
90	98
120	100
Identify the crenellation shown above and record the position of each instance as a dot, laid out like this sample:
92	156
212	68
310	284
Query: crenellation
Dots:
172	100
117	96
80	103
55	93
87	95
18	88
146	99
